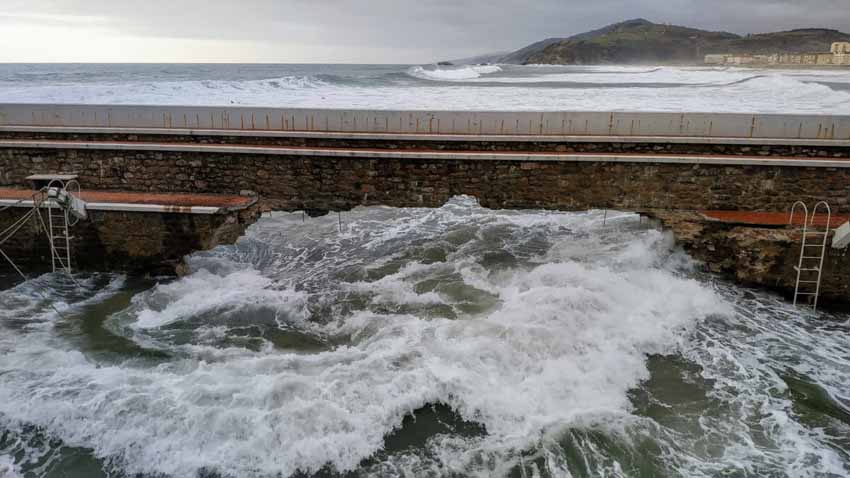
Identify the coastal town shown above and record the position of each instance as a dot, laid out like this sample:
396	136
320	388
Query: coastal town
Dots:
839	55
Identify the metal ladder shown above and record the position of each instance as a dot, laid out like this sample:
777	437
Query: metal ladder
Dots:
60	239
810	265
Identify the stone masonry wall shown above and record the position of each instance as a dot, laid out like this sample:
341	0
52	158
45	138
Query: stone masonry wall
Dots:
530	146
323	184
126	241
759	256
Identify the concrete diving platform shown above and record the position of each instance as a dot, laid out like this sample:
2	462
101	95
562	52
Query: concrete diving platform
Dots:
130	231
772	219
130	201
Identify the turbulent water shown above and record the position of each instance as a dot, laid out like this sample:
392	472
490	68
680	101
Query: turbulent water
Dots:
490	87
450	342
456	342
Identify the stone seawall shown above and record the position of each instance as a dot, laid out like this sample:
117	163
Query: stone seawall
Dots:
636	145
135	242
755	255
671	166
320	184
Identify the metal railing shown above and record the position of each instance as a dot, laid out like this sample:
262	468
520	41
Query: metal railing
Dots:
810	264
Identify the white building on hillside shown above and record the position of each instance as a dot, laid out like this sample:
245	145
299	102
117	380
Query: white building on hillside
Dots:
840	53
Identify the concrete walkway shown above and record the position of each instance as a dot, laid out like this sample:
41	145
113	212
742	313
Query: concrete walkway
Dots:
141	202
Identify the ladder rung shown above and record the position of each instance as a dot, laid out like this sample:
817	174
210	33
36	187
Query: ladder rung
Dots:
816	233
807	268
806	293
810	257
809	281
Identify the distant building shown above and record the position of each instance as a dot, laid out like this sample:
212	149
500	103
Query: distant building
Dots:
715	59
839	54
825	59
840	48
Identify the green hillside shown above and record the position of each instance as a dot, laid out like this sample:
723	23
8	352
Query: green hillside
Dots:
641	41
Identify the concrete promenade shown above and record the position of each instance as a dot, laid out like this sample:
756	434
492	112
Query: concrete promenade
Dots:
128	231
121	201
703	125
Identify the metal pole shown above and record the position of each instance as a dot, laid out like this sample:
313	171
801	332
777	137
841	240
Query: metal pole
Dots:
339	216
605	218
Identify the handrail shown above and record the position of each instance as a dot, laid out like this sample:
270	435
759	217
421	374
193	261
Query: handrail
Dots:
823	245
805	212
803	248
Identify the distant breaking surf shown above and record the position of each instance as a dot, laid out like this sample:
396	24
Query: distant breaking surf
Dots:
468	72
432	87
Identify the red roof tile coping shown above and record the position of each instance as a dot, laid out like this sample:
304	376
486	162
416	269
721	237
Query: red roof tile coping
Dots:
773	218
164	199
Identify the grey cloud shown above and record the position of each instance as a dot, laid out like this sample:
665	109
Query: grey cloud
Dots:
442	28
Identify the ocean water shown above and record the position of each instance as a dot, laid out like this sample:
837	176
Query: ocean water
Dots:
471	87
449	342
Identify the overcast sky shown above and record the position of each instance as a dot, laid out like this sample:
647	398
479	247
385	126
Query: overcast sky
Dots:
354	31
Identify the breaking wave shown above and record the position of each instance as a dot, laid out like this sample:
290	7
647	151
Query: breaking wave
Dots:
8	469
453	73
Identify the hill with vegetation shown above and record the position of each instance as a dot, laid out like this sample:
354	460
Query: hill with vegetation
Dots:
641	41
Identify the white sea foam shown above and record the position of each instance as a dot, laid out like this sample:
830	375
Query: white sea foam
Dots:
629	75
568	340
745	359
564	341
453	73
765	94
8	468
218	92
206	293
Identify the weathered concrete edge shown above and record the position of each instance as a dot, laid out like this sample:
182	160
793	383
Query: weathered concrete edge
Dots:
417	154
126	207
478	138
